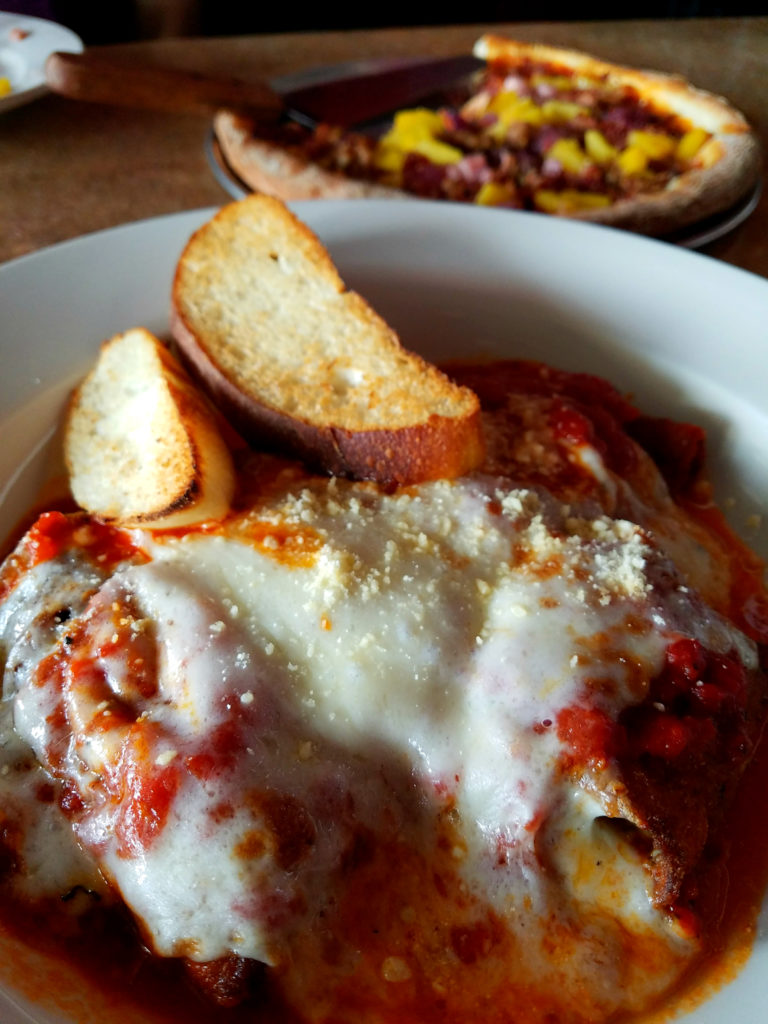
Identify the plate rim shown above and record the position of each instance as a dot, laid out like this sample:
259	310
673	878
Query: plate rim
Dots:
62	38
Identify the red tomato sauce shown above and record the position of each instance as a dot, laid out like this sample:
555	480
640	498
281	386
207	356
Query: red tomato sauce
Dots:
706	714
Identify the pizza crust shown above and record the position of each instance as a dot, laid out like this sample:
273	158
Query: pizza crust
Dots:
690	197
671	92
285	173
732	171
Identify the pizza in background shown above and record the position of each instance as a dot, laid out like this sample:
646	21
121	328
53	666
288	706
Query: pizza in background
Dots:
541	128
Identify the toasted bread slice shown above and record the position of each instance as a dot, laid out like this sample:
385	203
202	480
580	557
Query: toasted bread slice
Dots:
298	362
141	444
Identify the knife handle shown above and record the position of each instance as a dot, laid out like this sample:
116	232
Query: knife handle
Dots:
98	79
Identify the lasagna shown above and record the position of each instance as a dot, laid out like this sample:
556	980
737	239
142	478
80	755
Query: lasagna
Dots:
455	751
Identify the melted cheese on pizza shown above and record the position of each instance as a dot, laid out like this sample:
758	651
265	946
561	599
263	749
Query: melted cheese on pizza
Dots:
531	134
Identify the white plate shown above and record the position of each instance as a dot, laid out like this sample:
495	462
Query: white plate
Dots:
22	61
685	334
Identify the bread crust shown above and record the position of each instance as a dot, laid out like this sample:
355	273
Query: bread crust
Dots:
439	448
425	446
186	471
691	197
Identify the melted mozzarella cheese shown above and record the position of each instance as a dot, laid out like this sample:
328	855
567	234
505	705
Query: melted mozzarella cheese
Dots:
48	861
338	659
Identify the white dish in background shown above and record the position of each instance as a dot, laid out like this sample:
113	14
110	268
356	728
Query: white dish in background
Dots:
686	335
22	61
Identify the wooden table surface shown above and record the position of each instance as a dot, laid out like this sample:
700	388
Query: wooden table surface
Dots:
70	168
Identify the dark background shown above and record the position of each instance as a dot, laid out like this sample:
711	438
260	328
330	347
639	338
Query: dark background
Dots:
115	21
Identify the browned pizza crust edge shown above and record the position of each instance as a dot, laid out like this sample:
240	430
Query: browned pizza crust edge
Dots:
284	173
691	197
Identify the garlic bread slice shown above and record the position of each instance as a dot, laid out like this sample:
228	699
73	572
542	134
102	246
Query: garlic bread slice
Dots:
141	444
301	364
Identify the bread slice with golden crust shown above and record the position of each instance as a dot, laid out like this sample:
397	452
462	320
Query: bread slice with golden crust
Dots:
298	362
140	442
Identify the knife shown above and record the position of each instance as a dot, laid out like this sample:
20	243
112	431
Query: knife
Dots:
348	99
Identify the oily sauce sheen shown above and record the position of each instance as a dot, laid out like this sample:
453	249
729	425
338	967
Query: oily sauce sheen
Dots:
101	954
